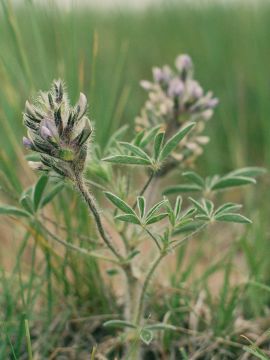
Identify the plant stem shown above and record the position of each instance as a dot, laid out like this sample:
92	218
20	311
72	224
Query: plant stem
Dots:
153	237
139	311
77	248
82	188
28	340
148	182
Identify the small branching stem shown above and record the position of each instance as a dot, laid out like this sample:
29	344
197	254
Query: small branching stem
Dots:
151	271
153	237
148	182
77	248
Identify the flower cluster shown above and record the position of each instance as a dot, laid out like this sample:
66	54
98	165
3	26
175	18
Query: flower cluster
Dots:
174	98
57	131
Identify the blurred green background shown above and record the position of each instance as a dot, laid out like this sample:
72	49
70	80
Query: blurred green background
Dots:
105	54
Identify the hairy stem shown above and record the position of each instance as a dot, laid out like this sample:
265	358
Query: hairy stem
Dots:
140	307
153	237
82	188
148	182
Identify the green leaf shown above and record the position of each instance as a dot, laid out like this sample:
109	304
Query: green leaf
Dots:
135	150
38	190
127	160
119	323
132	254
190	227
130	218
50	196
202	217
178	206
248	172
209	206
138	138
13	211
26	203
183	188
119	203
195	178
187	214
158	143
156	218
174	141
227	182
146	336
149	136
228	207
156	207
199	206
112	272
161	326
141	205
231	217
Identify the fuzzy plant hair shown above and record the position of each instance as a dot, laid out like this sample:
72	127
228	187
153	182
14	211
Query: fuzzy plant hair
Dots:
58	131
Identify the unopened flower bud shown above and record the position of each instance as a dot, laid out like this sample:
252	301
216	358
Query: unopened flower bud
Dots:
45	132
194	89
184	66
81	106
58	131
146	85
27	143
176	88
36	165
212	103
157	74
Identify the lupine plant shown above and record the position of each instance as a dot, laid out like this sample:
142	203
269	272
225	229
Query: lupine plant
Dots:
139	220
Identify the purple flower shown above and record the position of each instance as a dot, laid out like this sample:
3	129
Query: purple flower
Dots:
183	63
195	91
176	87
27	143
212	103
162	75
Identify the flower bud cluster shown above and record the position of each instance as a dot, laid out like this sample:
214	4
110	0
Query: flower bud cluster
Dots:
57	131
174	98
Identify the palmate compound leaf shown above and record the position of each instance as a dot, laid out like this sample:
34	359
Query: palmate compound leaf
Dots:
173	142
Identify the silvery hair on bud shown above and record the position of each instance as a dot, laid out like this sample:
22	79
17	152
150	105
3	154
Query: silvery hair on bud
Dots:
57	130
